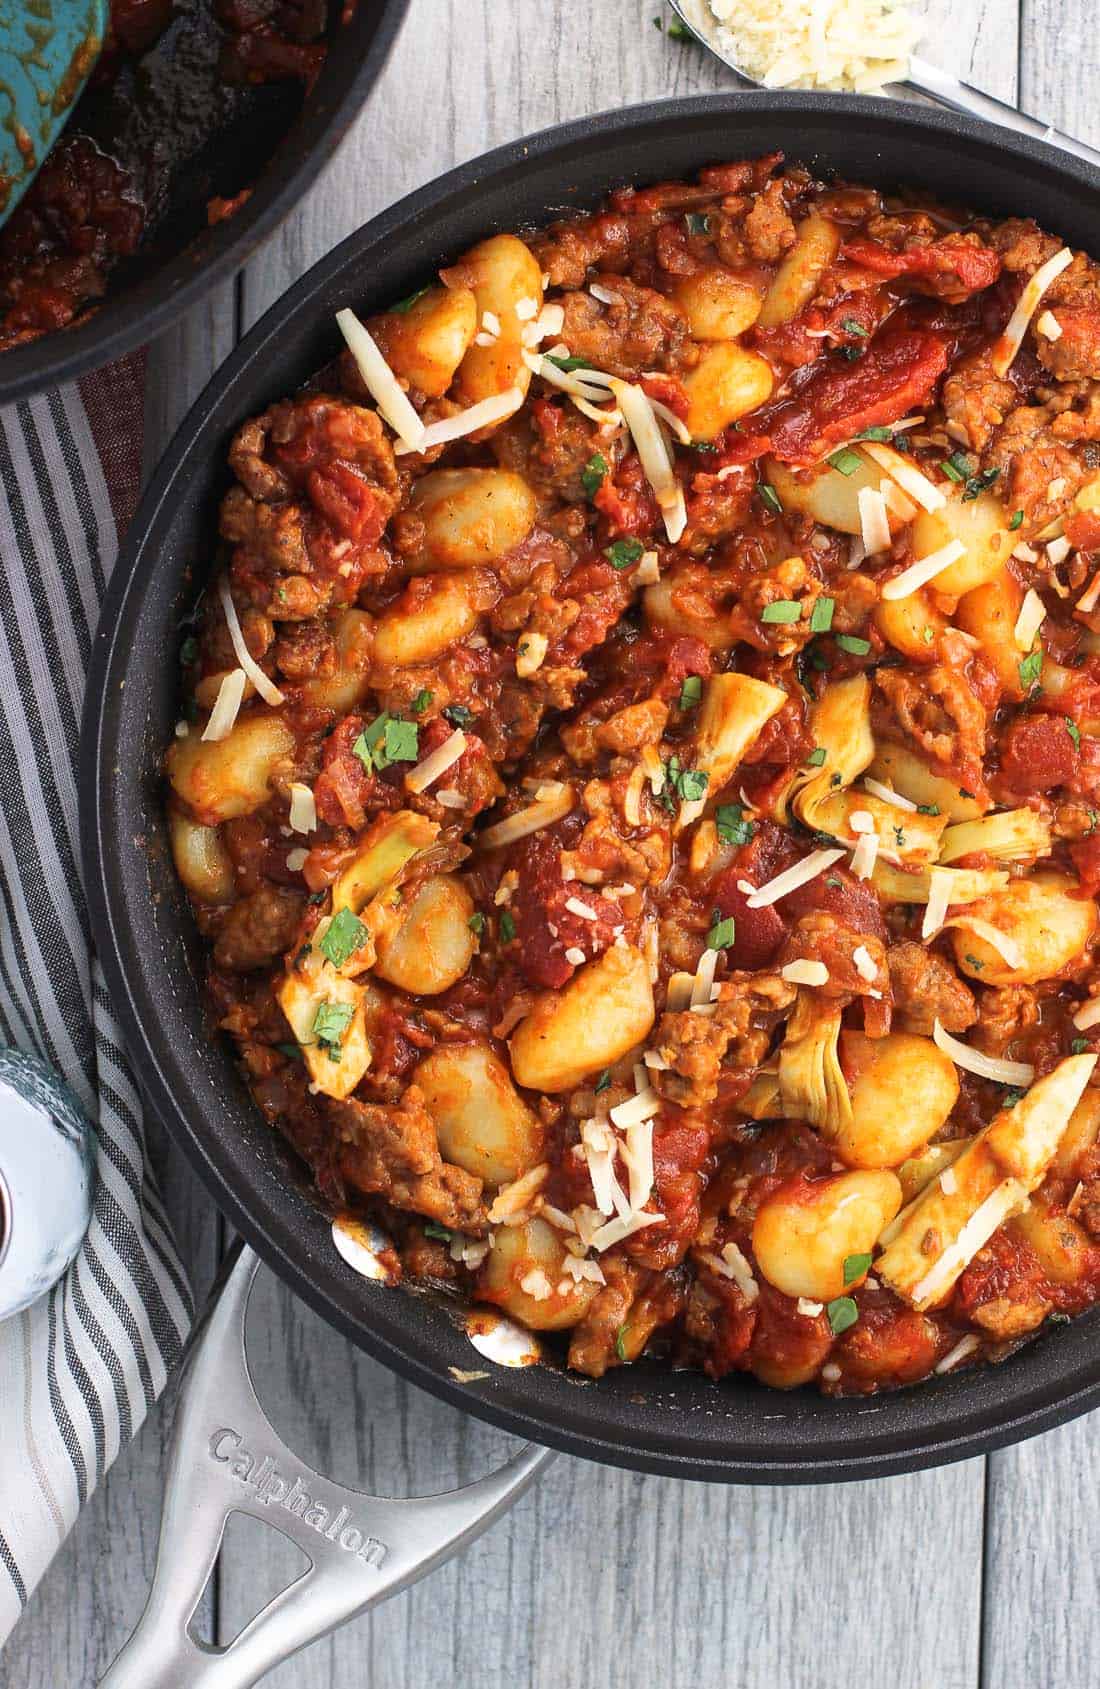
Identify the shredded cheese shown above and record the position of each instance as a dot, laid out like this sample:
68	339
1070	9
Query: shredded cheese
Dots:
975	1061
1091	596
303	810
1007	1198
804	972
381	383
653	454
1006	947
1028	622
907	476
939	896
964	1347
791	878
704	978
1087	1015
865	855
436	763
850	44
648	572
1048	326
888	794
1013	337
643	1105
864	963
919	574
482	415
542	813
267	689
873	520
226	706
678	996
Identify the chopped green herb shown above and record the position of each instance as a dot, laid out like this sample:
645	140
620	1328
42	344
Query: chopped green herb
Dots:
876	433
603	1083
704	445
850	326
567	364
978	483
975	963
1016	520
836	779
899	837
855	1266
191	709
698	223
821	616
831	880
852	643
690	783
1031	669
1074	732
458	715
816	757
720	936
928	809
622	553
476	923
691	691
290	1051
770	496
329	1025
409	300
1011	1098
852	353
957	467
678	31
620	1335
782	610
421	701
507	927
387	740
900	443
434	1229
963	793
1094	821
842	1312
189	650
344	935
732	827
845	461
594	473
1079	1046
927	634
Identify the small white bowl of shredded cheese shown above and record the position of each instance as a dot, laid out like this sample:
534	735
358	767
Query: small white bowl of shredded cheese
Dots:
856	45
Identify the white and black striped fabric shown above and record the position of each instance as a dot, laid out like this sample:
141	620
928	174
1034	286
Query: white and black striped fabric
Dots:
80	1369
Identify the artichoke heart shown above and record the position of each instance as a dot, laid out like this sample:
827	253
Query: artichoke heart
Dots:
894	885
327	1015
390	844
811	1084
1011	835
840	723
734	709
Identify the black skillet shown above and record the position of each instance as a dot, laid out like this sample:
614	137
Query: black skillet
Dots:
188	138
639	1416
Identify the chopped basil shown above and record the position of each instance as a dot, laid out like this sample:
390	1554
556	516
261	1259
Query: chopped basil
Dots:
831	880
850	326
476	923
732	827
975	963
854	646
698	223
957	467
1031	668
622	553
1016	520
720	936
690	783
816	757
1074	732
603	1083
290	1051
458	715
978	483
821	616
691	691
421	701
782	610
928	809
620	1335
770	496
855	1266
842	1312
963	793
594	473
846	461
876	433
387	740
567	363
507	927
189	650
329	1025
434	1229
344	935
1079	1046
409	301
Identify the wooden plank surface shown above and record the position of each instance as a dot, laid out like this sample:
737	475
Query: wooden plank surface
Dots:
676	1583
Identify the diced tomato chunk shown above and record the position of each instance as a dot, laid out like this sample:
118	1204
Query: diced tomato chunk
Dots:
954	259
894	376
1039	754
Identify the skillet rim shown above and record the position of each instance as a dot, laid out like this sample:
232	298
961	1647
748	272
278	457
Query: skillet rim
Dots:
129	318
965	1425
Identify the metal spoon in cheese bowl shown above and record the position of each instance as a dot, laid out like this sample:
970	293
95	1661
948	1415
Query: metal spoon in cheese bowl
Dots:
762	46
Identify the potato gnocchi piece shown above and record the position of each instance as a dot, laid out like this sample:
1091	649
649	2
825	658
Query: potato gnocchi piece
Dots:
796	280
349	684
533	1255
606	1010
220	779
431	946
482	1122
433	613
981	525
718	305
726	384
471	517
803	1235
503	274
202	861
1046	928
903	1089
425	344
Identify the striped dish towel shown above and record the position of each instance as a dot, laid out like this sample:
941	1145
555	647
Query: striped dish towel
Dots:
80	1369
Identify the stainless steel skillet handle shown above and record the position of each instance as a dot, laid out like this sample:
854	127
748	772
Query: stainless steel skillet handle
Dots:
960	96
226	1457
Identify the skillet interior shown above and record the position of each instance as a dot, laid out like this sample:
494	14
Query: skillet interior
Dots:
205	140
639	1417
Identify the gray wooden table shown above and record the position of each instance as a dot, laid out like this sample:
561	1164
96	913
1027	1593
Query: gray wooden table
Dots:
980	1574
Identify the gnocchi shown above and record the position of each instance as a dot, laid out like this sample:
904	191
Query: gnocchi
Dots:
606	1010
431	947
472	517
483	1123
803	1235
